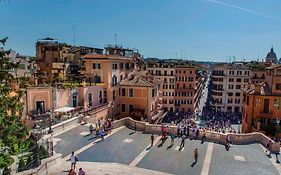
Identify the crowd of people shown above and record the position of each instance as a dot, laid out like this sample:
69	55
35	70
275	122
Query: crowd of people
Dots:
101	128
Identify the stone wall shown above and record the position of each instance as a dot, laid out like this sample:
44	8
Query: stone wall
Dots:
43	168
255	137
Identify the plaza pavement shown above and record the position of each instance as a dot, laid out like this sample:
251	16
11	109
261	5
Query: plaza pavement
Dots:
124	150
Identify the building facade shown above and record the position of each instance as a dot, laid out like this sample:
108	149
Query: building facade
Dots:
178	88
138	96
110	69
227	81
262	104
60	61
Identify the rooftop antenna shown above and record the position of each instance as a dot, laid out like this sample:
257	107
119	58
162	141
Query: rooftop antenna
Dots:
74	37
115	39
181	53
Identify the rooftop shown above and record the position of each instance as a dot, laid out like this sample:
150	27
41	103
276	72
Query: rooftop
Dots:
141	79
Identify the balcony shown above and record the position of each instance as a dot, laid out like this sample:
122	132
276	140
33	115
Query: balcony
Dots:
269	112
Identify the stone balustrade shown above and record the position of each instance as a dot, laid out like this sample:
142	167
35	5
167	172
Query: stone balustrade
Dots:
255	137
44	167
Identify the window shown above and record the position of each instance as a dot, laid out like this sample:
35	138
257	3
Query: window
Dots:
121	65
96	66
237	94
123	108
230	86
278	86
258	102
113	97
230	94
114	66
153	92
237	101
238	80
246	80
131	92
231	79
90	99
229	101
276	103
165	73
123	92
238	86
131	108
172	73
114	80
100	96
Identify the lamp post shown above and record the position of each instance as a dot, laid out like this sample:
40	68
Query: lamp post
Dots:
37	133
112	112
50	122
239	126
277	127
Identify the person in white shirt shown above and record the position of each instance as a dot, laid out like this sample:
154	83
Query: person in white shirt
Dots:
73	160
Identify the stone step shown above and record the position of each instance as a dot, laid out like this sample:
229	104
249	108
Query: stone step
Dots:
101	168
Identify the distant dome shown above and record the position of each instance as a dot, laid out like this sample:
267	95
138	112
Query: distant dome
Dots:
271	57
279	60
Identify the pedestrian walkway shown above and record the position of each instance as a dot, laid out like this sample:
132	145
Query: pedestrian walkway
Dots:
131	149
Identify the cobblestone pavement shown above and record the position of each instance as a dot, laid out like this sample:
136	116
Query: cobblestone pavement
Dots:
133	149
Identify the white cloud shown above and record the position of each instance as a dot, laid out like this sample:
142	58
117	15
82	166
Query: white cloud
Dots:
243	9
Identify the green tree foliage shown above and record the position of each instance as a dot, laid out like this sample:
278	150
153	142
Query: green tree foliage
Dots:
13	132
43	152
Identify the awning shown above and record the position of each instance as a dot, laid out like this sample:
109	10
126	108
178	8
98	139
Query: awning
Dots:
64	109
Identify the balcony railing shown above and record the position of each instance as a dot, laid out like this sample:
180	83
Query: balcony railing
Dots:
269	112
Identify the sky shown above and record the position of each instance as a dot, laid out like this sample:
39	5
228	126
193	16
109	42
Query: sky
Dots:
204	30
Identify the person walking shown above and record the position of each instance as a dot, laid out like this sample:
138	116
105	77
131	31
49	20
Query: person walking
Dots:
73	160
91	129
268	147
178	130
195	155
172	139
182	141
97	129
152	139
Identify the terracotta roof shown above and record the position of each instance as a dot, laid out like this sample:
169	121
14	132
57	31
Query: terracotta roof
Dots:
141	79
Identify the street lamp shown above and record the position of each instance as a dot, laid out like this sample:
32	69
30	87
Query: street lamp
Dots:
239	126
112	112
50	123
37	134
277	126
